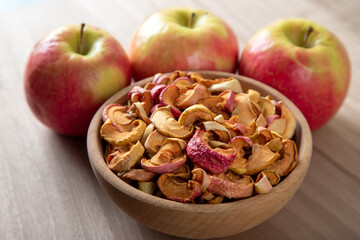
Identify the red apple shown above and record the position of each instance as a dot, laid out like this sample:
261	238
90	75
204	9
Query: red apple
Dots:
182	39
304	61
70	73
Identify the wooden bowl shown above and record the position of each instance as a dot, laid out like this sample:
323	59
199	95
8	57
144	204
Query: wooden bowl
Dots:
200	220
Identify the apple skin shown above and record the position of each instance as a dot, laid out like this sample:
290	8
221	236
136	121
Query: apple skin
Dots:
315	77
64	88
164	43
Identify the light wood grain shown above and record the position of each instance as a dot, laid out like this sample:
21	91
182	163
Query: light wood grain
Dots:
47	187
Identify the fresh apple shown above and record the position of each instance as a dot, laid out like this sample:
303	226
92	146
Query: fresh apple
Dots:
305	62
182	39
70	73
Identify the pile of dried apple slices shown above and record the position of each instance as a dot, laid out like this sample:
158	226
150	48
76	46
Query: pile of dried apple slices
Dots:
191	139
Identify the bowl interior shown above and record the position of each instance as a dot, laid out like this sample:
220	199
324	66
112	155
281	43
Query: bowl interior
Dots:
226	212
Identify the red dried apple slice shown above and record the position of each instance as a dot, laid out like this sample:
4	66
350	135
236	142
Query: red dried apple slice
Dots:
231	185
156	91
213	160
229	100
168	97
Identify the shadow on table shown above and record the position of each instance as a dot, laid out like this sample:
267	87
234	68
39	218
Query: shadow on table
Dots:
70	156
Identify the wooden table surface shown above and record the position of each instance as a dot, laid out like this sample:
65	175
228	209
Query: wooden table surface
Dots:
47	187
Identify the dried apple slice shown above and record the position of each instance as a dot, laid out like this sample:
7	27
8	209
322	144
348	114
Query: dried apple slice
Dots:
197	112
194	76
156	106
120	162
156	90
111	149
253	95
267	107
288	160
166	124
272	175
215	160
231	83
229	100
260	158
139	94
270	119
192	96
243	109
131	134
218	144
175	75
246	130
183	82
237	128
147	187
275	144
206	197
149	129
119	116
199	175
136	93
213	103
153	142
141	113
216	127
149	86
219	118
231	185
264	135
168	97
261	121
161	79
183	172
169	158
207	82
178	189
104	114
217	200
238	166
251	129
286	124
262	184
139	175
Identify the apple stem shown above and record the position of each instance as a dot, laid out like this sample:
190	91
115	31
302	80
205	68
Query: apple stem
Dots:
81	44
306	36
191	20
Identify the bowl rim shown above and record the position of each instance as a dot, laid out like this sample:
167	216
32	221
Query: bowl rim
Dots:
94	144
